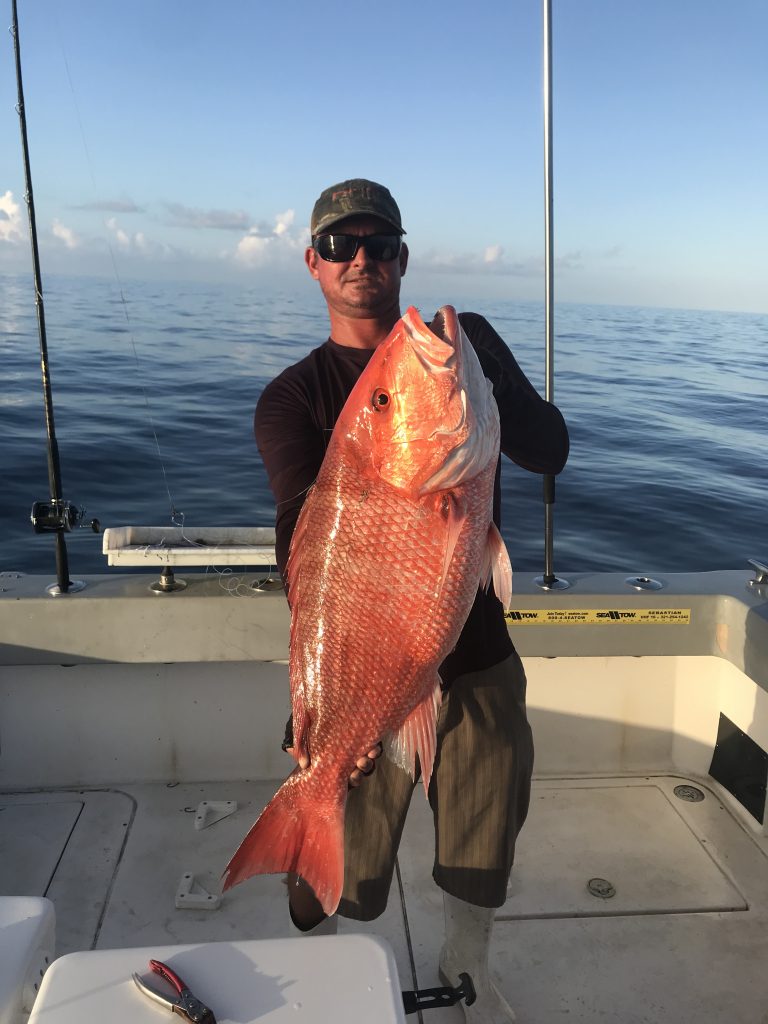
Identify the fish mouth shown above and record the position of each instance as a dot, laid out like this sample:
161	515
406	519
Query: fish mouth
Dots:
444	348
439	350
445	325
435	346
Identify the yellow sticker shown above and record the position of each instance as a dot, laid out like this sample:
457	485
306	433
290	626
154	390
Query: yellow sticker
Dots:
599	617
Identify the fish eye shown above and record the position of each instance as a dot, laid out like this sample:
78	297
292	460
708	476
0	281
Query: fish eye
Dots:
380	399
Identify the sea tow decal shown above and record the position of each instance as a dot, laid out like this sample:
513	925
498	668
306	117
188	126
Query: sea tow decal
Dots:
600	617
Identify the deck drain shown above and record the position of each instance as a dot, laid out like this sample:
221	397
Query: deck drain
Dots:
689	793
601	888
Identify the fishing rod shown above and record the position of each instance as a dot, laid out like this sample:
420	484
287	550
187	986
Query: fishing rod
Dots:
549	581
55	516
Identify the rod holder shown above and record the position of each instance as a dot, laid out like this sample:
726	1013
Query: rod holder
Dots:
167	583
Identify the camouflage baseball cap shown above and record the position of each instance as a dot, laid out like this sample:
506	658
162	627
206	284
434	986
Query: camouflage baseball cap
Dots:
349	198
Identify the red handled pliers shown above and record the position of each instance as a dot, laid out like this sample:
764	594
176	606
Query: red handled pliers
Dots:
185	1004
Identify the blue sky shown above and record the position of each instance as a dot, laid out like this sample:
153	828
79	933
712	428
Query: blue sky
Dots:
192	139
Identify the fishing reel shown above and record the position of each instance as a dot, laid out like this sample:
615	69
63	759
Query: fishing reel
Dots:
56	515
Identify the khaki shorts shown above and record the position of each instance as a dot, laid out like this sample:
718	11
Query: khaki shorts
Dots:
479	794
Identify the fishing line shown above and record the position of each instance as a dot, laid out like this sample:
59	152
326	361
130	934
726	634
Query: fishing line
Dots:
298	494
176	516
232	584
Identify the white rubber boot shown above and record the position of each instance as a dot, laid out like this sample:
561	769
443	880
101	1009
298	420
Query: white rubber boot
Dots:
465	950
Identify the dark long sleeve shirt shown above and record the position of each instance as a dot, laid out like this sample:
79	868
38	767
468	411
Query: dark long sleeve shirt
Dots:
295	417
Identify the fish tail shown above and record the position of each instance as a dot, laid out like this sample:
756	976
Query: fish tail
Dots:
295	833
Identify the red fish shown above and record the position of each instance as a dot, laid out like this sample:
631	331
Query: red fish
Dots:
390	547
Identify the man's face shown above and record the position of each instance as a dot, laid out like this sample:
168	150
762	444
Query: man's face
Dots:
361	288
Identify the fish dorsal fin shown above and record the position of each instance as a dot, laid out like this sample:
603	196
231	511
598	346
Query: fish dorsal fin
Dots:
497	567
417	735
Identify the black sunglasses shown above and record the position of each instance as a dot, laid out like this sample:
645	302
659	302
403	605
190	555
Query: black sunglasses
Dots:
342	248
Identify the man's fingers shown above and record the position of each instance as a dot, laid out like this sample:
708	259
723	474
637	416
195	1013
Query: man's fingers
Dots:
367	763
364	766
357	775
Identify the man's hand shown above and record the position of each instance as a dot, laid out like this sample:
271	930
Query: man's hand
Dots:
365	765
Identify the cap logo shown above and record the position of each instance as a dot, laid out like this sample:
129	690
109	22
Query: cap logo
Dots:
345	193
358	196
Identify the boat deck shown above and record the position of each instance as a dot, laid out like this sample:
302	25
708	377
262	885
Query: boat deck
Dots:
633	899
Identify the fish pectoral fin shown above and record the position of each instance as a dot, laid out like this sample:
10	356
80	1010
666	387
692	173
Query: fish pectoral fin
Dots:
451	507
497	567
417	735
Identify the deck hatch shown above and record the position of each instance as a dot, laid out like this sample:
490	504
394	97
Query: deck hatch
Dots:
739	764
33	837
660	854
65	845
632	835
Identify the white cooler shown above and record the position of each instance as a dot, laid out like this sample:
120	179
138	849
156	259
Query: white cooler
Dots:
342	978
27	936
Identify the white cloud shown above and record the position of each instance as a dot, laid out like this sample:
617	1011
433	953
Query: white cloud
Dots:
145	248
119	235
10	219
192	217
283	222
493	260
266	243
252	247
65	234
111	206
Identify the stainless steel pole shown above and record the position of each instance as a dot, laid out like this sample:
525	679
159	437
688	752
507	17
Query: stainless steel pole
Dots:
549	275
549	581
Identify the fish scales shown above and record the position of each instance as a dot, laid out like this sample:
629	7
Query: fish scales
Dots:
387	586
390	547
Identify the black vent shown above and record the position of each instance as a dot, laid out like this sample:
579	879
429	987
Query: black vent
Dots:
740	765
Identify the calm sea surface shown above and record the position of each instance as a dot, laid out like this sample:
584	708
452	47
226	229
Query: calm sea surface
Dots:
666	409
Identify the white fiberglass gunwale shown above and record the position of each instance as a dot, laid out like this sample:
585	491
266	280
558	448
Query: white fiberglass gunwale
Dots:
121	709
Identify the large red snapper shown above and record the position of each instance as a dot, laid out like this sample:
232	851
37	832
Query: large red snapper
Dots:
391	545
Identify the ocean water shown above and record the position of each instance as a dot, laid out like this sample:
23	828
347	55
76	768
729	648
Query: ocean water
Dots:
154	390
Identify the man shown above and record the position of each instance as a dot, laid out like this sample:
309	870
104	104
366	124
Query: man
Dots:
480	788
